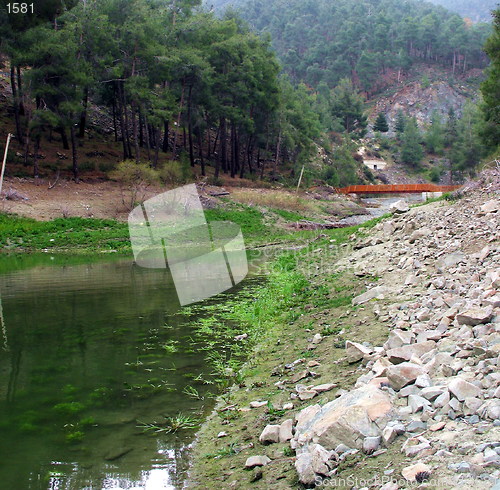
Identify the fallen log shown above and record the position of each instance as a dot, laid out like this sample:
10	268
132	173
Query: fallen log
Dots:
313	225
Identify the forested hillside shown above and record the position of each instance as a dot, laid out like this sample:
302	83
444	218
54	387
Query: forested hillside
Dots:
323	41
186	93
475	10
176	83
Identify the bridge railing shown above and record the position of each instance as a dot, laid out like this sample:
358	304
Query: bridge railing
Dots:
396	188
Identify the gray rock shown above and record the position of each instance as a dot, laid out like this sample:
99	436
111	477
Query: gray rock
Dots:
432	392
342	448
270	434
420	233
414	450
254	461
403	374
471	405
418	403
475	316
451	260
462	467
423	381
416	426
416	472
355	352
389	434
462	389
405	353
377	292
307	394
398	338
360	413
491	206
311	461
371	444
324	387
409	390
399	207
390	486
285	432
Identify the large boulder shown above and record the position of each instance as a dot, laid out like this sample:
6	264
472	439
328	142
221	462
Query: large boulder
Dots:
313	460
348	420
403	374
475	316
490	207
377	292
405	352
355	352
399	206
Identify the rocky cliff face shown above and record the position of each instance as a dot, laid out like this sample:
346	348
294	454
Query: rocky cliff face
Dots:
420	100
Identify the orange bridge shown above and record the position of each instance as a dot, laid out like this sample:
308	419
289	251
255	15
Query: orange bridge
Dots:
396	189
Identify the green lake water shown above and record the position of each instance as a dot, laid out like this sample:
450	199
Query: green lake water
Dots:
88	353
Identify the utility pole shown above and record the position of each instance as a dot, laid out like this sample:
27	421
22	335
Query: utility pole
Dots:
300	178
9	136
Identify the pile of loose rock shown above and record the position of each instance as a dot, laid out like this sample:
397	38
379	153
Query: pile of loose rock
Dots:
436	380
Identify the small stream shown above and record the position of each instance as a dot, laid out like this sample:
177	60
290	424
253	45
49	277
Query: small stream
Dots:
89	352
378	206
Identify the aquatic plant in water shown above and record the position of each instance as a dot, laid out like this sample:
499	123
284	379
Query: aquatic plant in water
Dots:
172	424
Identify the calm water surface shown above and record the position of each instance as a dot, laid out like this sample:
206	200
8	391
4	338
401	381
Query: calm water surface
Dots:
88	353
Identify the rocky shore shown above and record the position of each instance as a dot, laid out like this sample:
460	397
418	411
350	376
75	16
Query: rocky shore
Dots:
431	391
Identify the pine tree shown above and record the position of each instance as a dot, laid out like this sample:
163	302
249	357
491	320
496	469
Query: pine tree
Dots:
411	149
434	138
490	88
467	151
347	109
451	128
400	122
381	123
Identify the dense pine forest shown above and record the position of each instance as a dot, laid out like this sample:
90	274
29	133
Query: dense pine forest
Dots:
324	41
173	79
246	92
475	10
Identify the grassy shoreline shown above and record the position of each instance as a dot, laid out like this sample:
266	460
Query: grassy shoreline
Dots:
303	296
92	235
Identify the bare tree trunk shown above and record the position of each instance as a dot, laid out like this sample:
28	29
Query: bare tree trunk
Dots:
125	134
35	158
178	119
190	127
223	143
165	136
15	100
146	133
27	141
157	147
262	165
126	153
200	151
64	138
277	156
135	135
20	91
208	139
141	132
115	131
83	115
74	151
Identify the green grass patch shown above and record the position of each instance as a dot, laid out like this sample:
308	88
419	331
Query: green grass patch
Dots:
62	234
288	215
